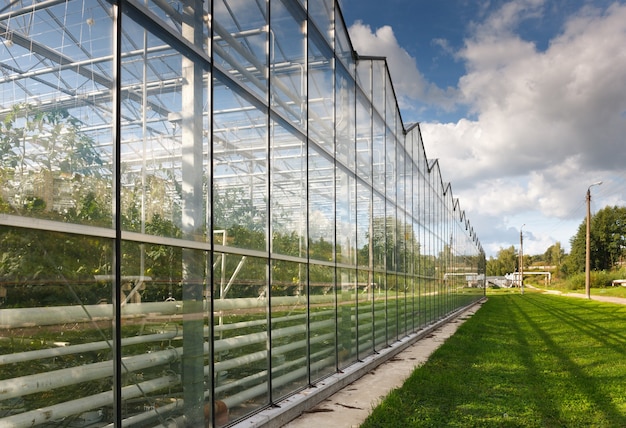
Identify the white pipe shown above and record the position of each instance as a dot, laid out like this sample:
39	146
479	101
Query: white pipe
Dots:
95	346
52	315
46	381
62	410
82	348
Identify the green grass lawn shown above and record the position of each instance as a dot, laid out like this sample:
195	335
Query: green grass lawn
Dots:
521	361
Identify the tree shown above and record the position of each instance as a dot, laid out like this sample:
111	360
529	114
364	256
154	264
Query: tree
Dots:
42	151
505	262
607	240
50	138
554	255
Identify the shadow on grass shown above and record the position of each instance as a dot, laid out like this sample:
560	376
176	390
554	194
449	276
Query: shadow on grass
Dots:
586	389
520	361
591	319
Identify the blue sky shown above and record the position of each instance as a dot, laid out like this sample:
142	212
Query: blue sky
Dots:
523	102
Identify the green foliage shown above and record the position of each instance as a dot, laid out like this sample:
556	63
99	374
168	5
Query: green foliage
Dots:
607	241
554	255
90	210
233	208
520	361
505	262
55	137
394	245
598	279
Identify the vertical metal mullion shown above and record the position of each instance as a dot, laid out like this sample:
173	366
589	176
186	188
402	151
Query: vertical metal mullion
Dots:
371	264
117	215
306	178
335	262
385	214
413	234
355	258
268	187
211	339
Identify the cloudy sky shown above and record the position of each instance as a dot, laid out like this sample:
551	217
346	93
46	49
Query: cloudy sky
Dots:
523	102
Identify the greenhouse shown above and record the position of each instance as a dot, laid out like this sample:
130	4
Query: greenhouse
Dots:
207	207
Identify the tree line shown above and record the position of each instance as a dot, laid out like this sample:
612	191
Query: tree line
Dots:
607	249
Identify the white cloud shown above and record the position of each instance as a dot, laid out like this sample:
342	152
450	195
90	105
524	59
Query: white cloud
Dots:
546	123
409	83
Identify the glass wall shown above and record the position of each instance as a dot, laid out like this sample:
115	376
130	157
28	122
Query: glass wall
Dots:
206	207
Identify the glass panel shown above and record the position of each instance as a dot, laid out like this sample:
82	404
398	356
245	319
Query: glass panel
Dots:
364	77
321	12
364	139
323	321
378	233
412	312
55	148
162	126
402	305
289	328
241	41
392	116
164	154
321	206
343	47
365	308
287	61
288	190
379	77
401	177
240	334
321	95
364	226
346	218
155	326
380	310
240	159
391	229
56	166
378	155
391	173
347	316
411	246
345	121
56	322
380	280
365	278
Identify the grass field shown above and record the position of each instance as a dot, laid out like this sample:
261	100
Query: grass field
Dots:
521	361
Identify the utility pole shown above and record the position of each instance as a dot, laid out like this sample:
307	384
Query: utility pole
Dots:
521	259
588	242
